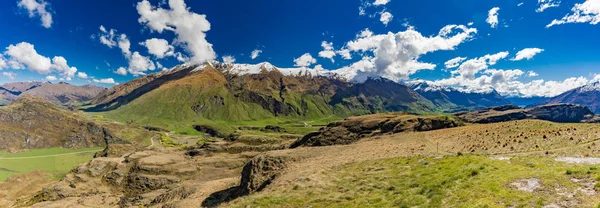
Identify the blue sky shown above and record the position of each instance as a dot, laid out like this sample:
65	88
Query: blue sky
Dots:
285	30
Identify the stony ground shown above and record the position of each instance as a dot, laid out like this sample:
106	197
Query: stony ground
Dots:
172	177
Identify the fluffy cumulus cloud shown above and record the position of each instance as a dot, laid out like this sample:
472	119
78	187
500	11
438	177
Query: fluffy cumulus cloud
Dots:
121	71
228	59
493	17
305	60
190	28
139	65
82	75
159	47
386	17
468	69
396	55
107	37
453	63
23	55
9	75
59	63
105	81
328	51
255	53
381	2
51	78
527	53
3	64
586	12
545	4
38	8
532	74
124	45
476	75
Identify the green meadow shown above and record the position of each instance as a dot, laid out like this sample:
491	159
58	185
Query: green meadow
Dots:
56	161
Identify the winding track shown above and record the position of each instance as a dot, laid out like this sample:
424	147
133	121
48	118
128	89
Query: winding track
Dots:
44	156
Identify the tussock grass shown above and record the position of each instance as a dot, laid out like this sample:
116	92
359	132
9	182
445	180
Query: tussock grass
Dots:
463	181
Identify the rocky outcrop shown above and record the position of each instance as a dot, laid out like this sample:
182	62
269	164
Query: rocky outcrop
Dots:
140	179
257	174
33	123
556	113
355	128
260	172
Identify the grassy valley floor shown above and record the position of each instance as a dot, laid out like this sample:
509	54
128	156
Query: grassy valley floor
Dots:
56	161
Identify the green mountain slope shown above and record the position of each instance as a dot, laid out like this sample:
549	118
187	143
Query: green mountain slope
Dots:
215	95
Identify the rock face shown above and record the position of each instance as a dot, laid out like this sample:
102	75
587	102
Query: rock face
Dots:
355	128
555	113
33	123
260	171
60	93
140	179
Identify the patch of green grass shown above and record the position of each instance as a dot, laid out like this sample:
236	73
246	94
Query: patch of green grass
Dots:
56	161
205	140
166	141
466	181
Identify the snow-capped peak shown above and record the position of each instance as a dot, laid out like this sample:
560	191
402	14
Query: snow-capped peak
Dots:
590	87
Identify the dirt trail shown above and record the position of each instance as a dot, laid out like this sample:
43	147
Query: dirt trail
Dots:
44	156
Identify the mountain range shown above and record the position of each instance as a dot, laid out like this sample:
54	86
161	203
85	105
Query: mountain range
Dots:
587	95
60	93
253	92
245	92
242	92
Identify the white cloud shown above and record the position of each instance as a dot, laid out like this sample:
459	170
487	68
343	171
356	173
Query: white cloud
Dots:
190	28
228	59
365	33
588	11
159	47
386	17
532	74
474	75
51	78
395	55
9	75
493	17
468	69
345	53
24	55
124	44
82	75
38	8
527	53
520	4
470	24
121	71
380	2
59	63
255	53
305	60
455	62
328	51
545	4
105	81
3	63
138	64
107	37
